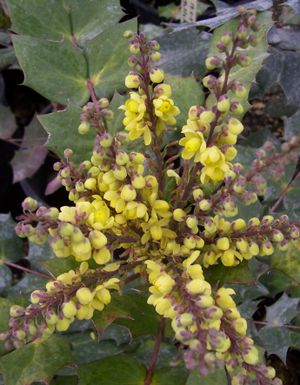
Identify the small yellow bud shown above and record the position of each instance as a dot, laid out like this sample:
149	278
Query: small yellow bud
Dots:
69	309
90	184
128	193
138	182
197	286
132	81
223	243
179	215
63	324
97	239
101	256
84	127
84	295
186	319
251	358
235	126
223	104
204	205
157	75
240	326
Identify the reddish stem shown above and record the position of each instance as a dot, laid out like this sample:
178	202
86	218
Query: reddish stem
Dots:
283	193
150	372
93	95
27	270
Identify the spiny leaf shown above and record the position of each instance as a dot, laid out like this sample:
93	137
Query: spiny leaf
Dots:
11	246
32	153
38	361
282	311
62	127
108	371
217	378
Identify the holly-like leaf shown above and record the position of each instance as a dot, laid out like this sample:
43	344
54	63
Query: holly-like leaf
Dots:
291	200
5	305
130	310
217	378
110	370
246	75
167	376
62	127
241	274
56	20
58	266
31	154
277	340
184	52
11	246
5	277
7	57
63	44
282	68
186	92
86	350
292	125
7	122
288	263
38	361
282	311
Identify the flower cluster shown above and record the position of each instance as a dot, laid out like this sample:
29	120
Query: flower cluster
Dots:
123	219
206	321
149	108
72	295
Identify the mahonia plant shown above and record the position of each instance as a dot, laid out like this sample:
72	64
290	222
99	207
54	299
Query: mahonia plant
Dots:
121	224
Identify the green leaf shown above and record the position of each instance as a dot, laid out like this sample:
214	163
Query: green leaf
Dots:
217	378
288	263
31	154
115	125
282	311
112	370
7	122
11	246
186	92
130	310
277	340
7	57
62	127
26	285
58	266
63	44
184	52
144	353
57	70
246	75
167	376
291	200
240	274
282	67
38	361
5	277
5	305
54	20
107	59
86	350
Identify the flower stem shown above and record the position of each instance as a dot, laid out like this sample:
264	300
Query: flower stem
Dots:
150	372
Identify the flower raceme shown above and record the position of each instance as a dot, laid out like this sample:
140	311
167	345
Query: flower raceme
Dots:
122	218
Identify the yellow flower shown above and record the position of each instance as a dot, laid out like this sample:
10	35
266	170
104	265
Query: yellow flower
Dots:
100	217
215	166
135	120
165	109
194	144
